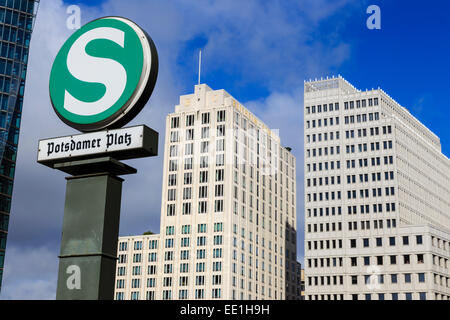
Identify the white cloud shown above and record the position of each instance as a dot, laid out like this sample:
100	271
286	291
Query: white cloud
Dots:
30	273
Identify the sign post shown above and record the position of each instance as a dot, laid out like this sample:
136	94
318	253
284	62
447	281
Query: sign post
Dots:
89	238
101	79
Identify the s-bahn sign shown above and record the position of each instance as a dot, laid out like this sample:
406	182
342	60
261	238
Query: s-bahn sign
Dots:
101	79
103	75
121	144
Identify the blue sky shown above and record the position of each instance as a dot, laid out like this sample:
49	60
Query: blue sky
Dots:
258	51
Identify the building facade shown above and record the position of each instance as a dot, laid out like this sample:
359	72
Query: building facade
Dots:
377	198
228	213
302	284
16	26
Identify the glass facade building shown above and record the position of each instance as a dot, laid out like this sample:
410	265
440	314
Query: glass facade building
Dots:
16	25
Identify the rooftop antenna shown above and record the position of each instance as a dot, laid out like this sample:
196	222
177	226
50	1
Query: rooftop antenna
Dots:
199	65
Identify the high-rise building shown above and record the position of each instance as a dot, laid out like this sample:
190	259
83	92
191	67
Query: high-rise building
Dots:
16	25
228	213
377	198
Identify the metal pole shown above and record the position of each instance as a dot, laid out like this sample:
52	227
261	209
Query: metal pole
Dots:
90	234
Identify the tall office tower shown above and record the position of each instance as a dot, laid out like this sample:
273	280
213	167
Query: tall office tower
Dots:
228	213
377	198
16	25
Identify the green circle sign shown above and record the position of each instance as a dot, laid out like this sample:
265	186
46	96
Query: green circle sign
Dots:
103	75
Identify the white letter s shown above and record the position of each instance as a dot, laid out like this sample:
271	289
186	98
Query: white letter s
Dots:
97	70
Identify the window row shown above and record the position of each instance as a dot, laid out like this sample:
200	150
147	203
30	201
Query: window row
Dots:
204	162
326	151
189	148
362	118
323	166
368	296
322	108
202	192
376	192
138	245
190	119
350	105
323	181
363	132
189	134
404	240
372	279
319	137
319	122
186	208
363	147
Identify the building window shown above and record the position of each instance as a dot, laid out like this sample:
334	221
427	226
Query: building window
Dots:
123	246
205	118
220	115
189	134
421	277
135	283
203	191
366	261
394	278
199	293
187	164
366	242
420	258
119	296
407	277
419	239
167	294
173	165
174	137
380	260
218	206
405	240
183	294
137	257
406	259
189	120
202	207
134	295
187	208
216	293
391	241
221	130
170	210
175	122
393	259
379	242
